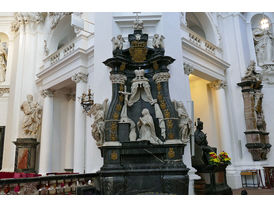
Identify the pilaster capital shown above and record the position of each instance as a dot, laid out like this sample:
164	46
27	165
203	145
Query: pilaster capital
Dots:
80	76
4	90
161	77
118	78
217	84
188	68
70	97
47	93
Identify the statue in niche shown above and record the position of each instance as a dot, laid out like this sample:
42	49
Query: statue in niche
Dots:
185	123
3	61
263	46
117	43
33	116
146	128
157	41
140	88
98	111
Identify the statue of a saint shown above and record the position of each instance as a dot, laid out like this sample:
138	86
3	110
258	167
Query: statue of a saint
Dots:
117	43
33	116
3	62
146	128
98	111
140	88
185	123
157	41
263	46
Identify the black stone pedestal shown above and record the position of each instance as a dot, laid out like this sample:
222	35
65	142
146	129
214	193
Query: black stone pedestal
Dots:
143	168
25	156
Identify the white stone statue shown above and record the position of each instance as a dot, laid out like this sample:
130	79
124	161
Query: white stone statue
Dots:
263	46
117	43
157	41
138	24
140	88
146	128
185	123
3	62
99	112
32	119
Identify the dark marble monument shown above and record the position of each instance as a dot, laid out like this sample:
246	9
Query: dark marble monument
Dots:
138	131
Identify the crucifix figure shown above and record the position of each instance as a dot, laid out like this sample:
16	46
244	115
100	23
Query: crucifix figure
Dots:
138	23
124	116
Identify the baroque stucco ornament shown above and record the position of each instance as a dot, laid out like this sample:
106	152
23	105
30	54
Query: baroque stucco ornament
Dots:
161	77
4	90
188	68
56	17
117	43
217	84
80	77
158	41
118	78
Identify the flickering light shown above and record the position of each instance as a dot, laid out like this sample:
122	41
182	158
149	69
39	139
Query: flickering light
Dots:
264	23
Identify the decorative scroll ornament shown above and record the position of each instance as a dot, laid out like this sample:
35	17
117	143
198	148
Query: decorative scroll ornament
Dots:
118	78
218	84
23	18
161	77
79	77
188	69
33	117
4	90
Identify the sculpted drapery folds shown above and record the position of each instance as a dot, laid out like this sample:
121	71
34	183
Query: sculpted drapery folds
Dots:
32	119
3	62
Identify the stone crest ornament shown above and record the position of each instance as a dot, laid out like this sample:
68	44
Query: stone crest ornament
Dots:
256	134
117	43
32	119
158	41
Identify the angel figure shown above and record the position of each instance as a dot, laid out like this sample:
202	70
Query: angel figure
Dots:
157	41
98	111
118	42
185	123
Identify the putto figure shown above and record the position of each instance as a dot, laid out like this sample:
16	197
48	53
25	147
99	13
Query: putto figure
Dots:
118	42
33	116
157	41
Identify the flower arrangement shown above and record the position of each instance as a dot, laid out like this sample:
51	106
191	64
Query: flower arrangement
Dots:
213	158
224	158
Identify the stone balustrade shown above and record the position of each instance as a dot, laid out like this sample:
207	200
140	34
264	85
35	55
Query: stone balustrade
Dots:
46	185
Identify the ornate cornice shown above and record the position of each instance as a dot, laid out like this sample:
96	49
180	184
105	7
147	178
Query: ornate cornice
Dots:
118	78
23	18
161	77
4	90
188	68
218	84
47	93
79	77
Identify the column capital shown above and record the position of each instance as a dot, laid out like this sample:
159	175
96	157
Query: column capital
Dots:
118	78
161	77
47	93
217	84
188	68
80	76
70	97
4	90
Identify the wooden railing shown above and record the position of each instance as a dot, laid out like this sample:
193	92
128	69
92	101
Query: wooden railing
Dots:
46	185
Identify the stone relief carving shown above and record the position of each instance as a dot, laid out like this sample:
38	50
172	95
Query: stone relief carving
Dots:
217	84
32	119
23	18
158	41
185	124
56	17
117	43
188	69
99	111
118	78
80	77
161	77
47	93
3	61
146	128
3	91
263	46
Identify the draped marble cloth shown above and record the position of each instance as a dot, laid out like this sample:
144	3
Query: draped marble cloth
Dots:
140	88
147	129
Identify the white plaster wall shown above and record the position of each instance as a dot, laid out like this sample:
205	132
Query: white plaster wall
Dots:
3	111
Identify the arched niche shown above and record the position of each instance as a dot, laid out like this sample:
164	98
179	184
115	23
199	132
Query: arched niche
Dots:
61	34
202	24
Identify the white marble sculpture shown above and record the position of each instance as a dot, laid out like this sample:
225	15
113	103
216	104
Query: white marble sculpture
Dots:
3	62
146	128
185	124
140	88
157	41
32	119
159	115
117	43
99	112
263	46
138	24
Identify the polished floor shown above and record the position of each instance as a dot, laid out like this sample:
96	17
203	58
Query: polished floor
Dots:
254	191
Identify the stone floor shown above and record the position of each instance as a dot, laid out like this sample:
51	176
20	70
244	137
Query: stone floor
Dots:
254	191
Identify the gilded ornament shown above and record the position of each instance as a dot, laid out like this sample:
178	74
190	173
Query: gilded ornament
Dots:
123	66
169	124
138	51
162	105
159	86
115	115
113	137
167	114
121	98
114	155
170	136
160	97
118	107
121	87
113	126
171	153
155	65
